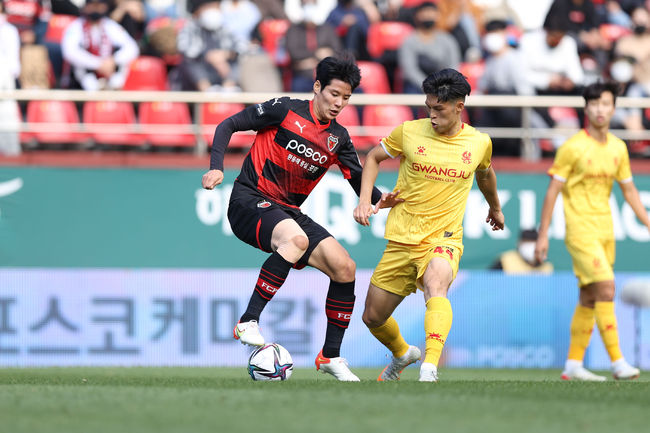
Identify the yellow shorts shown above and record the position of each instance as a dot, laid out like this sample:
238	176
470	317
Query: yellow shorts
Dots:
593	259
401	268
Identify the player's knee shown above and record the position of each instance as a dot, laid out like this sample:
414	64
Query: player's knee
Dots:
371	319
300	242
345	271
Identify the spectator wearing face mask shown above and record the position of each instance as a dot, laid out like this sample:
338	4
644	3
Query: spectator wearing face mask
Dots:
503	75
426	50
522	260
351	24
637	47
307	44
98	49
210	51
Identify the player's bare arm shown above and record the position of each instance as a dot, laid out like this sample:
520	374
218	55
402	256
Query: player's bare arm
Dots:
541	247
212	178
487	184
364	209
631	195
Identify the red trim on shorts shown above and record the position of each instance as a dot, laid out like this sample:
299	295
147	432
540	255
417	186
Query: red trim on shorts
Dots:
257	234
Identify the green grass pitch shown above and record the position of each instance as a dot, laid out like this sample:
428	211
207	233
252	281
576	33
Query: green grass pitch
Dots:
225	400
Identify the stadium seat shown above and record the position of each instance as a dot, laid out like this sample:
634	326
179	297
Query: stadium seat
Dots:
349	117
473	72
383	119
147	73
373	77
111	112
613	32
59	117
386	35
213	114
56	27
565	117
272	31
174	115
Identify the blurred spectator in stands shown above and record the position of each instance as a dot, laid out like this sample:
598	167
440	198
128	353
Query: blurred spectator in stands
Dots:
240	18
522	260
209	51
428	49
616	13
319	10
131	15
10	61
583	26
503	75
531	13
160	8
464	22
309	42
31	18
271	9
622	70
351	24
637	47
98	49
551	59
498	10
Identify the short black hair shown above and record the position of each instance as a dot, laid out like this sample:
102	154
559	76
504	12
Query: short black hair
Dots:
595	90
342	68
556	21
447	84
528	235
424	5
495	25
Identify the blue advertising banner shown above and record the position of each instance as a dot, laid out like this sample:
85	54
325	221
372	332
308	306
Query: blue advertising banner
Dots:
136	317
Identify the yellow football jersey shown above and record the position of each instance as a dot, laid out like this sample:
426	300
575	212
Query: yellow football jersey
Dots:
435	176
588	169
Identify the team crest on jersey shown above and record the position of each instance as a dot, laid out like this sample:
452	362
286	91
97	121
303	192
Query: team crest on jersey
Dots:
332	141
263	204
420	151
467	157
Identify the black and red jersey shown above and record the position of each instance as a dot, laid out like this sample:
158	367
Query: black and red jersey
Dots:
292	150
23	13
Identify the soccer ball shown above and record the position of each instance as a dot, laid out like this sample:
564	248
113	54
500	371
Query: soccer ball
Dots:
270	362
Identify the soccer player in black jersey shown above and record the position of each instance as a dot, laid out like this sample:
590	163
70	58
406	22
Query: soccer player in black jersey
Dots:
296	143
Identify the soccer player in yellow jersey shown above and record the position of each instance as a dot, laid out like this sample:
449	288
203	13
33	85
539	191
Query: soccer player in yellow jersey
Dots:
584	171
438	158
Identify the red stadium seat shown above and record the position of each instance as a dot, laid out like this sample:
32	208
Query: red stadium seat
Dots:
213	114
386	35
147	73
111	112
59	117
373	77
613	32
383	119
56	27
566	117
174	115
272	32
473	72
349	117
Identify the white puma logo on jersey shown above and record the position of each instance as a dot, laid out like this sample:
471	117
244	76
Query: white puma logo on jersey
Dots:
299	126
275	101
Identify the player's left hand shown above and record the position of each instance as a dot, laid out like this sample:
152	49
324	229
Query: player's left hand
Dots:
496	219
362	213
388	199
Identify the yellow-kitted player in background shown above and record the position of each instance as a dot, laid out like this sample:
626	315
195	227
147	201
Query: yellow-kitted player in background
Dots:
438	158
584	171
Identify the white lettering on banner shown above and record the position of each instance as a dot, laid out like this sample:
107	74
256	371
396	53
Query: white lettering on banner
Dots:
9	187
527	209
635	230
212	207
474	226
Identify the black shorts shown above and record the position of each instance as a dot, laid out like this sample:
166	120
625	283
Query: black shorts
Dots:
253	217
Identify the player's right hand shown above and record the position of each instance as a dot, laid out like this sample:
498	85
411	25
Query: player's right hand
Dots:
541	249
212	178
362	213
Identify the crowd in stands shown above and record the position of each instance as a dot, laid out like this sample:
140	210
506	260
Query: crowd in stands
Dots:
504	47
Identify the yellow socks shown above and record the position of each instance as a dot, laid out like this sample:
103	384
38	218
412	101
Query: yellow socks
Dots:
388	334
437	323
606	320
582	326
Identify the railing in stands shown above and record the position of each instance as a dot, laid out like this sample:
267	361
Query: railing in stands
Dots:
525	132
